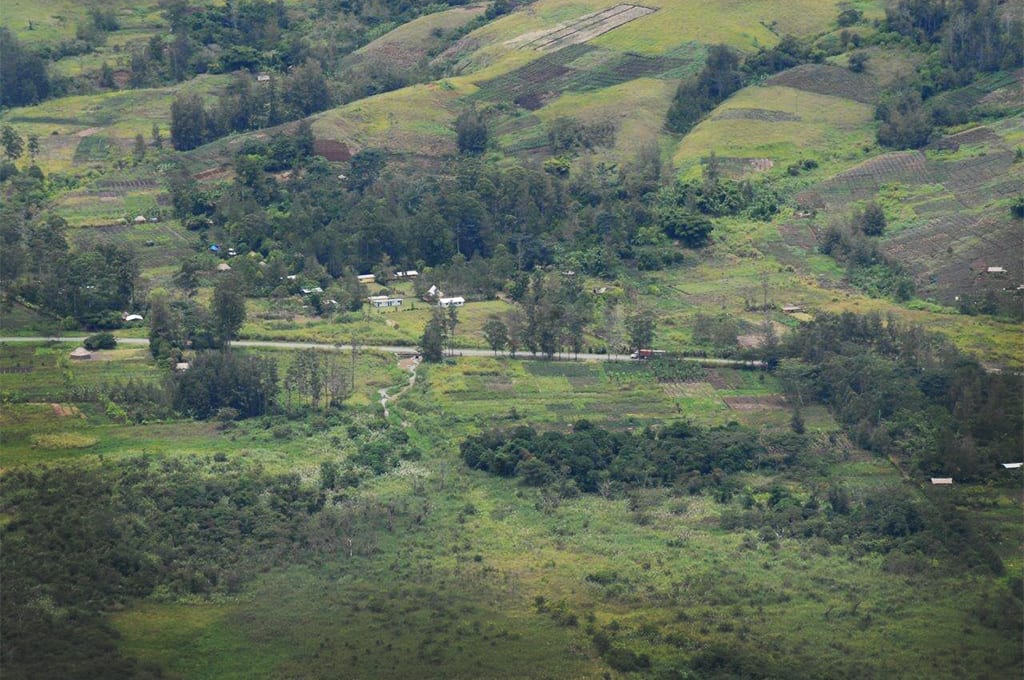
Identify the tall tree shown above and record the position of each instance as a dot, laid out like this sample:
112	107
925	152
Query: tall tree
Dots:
14	145
471	132
305	89
189	125
164	329
227	309
23	77
641	327
432	342
496	333
364	169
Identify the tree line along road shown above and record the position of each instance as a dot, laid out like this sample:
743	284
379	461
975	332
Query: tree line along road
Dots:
401	350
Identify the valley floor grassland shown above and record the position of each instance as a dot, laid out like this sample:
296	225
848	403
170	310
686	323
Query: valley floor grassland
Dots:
495	579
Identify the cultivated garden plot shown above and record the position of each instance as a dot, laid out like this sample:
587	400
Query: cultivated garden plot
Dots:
829	80
585	28
616	393
944	226
578	68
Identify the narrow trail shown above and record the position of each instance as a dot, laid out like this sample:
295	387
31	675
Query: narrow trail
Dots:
409	365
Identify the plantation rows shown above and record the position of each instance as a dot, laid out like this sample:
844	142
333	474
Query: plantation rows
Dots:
94	148
763	115
558	73
588	27
948	255
829	80
126	185
977	135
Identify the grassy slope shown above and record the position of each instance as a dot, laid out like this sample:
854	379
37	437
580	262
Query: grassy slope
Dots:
823	127
410	43
52	22
108	122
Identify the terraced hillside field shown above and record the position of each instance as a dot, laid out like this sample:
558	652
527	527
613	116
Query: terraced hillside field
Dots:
948	211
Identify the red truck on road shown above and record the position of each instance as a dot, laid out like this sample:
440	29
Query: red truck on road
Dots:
641	354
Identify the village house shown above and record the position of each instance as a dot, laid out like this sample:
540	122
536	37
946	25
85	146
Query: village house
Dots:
432	295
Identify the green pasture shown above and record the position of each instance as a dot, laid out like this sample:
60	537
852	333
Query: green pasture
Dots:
47	23
455	592
416	120
103	125
116	52
159	246
738	23
109	209
290	319
827	128
649	99
475	586
409	44
44	420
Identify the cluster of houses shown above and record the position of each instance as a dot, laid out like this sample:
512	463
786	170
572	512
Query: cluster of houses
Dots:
434	295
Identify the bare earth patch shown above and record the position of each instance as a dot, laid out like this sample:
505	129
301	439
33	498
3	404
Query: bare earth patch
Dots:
755	403
66	411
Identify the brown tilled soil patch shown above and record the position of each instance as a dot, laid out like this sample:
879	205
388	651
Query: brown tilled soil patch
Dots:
830	80
764	115
331	150
799	233
736	167
722	380
763	403
977	135
66	410
212	173
1011	94
750	340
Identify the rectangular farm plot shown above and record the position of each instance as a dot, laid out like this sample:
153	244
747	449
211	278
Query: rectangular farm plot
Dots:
619	394
587	27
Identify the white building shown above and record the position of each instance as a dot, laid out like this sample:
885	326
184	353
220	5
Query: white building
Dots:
451	302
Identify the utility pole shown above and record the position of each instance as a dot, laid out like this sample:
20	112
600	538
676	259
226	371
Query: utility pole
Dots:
355	353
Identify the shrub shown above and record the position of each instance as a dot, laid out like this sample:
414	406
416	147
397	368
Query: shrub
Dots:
100	341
